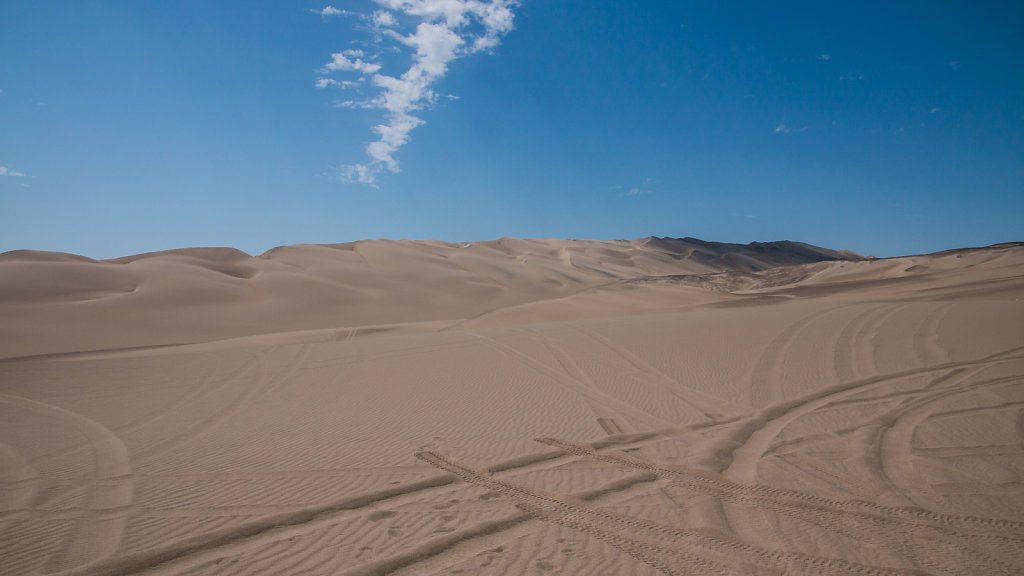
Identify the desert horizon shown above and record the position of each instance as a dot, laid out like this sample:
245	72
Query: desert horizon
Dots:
517	406
626	377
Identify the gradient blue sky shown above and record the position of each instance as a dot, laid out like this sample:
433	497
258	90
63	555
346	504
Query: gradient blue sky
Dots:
886	128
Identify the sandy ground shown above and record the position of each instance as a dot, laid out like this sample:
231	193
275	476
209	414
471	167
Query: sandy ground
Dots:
516	407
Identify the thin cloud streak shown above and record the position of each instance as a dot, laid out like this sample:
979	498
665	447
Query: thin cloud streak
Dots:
445	31
331	11
783	129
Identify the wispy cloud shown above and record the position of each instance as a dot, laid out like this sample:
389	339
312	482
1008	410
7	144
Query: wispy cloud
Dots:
783	129
641	190
825	57
442	31
325	82
5	171
331	11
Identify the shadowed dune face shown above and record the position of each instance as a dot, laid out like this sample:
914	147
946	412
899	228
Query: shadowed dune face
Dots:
513	407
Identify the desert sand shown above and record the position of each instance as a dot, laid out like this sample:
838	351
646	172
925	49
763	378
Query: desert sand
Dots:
647	407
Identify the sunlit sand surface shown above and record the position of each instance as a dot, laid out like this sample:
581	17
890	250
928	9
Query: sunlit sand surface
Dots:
513	407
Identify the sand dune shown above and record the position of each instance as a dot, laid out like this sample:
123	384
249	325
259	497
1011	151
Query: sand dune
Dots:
513	407
54	302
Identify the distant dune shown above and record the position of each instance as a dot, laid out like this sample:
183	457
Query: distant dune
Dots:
55	302
657	406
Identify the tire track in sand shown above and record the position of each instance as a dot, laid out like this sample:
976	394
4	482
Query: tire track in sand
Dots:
204	548
201	549
571	377
18	478
112	490
610	426
895	449
696	398
1020	427
896	464
926	343
715	484
767	372
576	373
435	554
928	539
198	390
669	550
766	378
854	356
757	438
268	384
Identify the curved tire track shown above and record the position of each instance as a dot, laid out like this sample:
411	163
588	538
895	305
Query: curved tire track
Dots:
757	440
98	536
766	376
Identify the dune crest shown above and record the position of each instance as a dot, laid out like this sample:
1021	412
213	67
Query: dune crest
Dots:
56	303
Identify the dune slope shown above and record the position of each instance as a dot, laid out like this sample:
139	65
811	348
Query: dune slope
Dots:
623	408
53	302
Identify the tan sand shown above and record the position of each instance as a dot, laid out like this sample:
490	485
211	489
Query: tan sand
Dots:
512	407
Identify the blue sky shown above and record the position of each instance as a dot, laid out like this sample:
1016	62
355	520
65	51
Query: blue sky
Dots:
885	128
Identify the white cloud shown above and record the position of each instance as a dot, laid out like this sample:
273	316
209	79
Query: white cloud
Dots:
825	57
330	11
323	82
359	173
350	60
442	32
384	19
935	110
5	171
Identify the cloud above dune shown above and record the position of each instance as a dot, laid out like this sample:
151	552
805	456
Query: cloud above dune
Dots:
350	60
329	11
433	33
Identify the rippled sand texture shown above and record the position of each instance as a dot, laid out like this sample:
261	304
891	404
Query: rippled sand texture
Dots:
836	417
